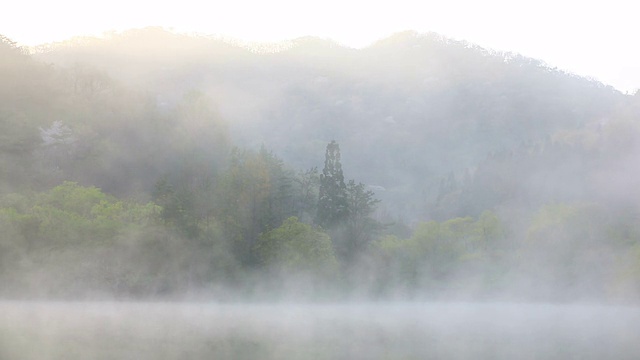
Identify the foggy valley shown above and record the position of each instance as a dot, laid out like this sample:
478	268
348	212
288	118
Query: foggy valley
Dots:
183	196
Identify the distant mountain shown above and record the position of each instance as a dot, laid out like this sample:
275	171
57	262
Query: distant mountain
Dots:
407	111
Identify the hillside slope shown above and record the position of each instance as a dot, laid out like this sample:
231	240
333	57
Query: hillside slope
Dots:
408	110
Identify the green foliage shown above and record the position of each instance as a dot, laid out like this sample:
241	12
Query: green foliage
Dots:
70	239
297	247
308	185
568	246
437	253
253	195
567	227
360	228
345	209
79	240
71	214
179	207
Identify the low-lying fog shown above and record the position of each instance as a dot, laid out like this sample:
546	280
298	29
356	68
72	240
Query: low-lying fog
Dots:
121	330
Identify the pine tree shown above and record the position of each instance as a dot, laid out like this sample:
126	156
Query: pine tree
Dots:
332	201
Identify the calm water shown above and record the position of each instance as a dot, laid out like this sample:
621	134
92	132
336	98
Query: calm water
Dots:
38	330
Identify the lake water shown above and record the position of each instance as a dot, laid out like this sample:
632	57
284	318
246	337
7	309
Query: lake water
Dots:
120	330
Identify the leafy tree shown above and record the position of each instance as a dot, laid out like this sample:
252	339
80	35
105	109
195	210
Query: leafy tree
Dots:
437	254
77	239
563	241
308	182
490	232
254	195
70	214
295	247
179	206
360	227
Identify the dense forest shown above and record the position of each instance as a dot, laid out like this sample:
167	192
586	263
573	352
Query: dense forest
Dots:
151	164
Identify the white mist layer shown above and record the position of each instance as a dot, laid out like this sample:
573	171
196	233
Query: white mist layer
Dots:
111	330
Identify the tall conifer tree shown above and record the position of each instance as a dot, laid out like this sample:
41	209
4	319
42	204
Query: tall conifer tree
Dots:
332	202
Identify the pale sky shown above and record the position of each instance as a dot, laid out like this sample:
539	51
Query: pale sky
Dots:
590	38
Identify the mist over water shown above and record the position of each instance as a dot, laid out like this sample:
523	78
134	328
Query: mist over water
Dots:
122	330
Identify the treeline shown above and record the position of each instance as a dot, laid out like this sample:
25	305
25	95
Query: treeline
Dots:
223	235
75	241
108	191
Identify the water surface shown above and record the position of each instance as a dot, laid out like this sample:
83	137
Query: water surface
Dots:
120	330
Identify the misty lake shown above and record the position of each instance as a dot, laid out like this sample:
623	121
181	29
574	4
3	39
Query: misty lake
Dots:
120	330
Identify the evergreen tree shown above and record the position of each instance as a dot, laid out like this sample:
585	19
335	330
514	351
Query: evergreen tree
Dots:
332	200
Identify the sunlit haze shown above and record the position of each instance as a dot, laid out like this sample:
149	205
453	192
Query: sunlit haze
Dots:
594	39
319	180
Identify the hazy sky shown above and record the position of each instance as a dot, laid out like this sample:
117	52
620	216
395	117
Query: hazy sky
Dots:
590	38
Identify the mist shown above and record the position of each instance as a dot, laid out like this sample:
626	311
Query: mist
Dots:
371	331
421	197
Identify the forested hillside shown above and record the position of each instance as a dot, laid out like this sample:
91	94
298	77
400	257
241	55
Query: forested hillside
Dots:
409	109
149	164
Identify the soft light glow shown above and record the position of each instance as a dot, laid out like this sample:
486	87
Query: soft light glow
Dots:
593	39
